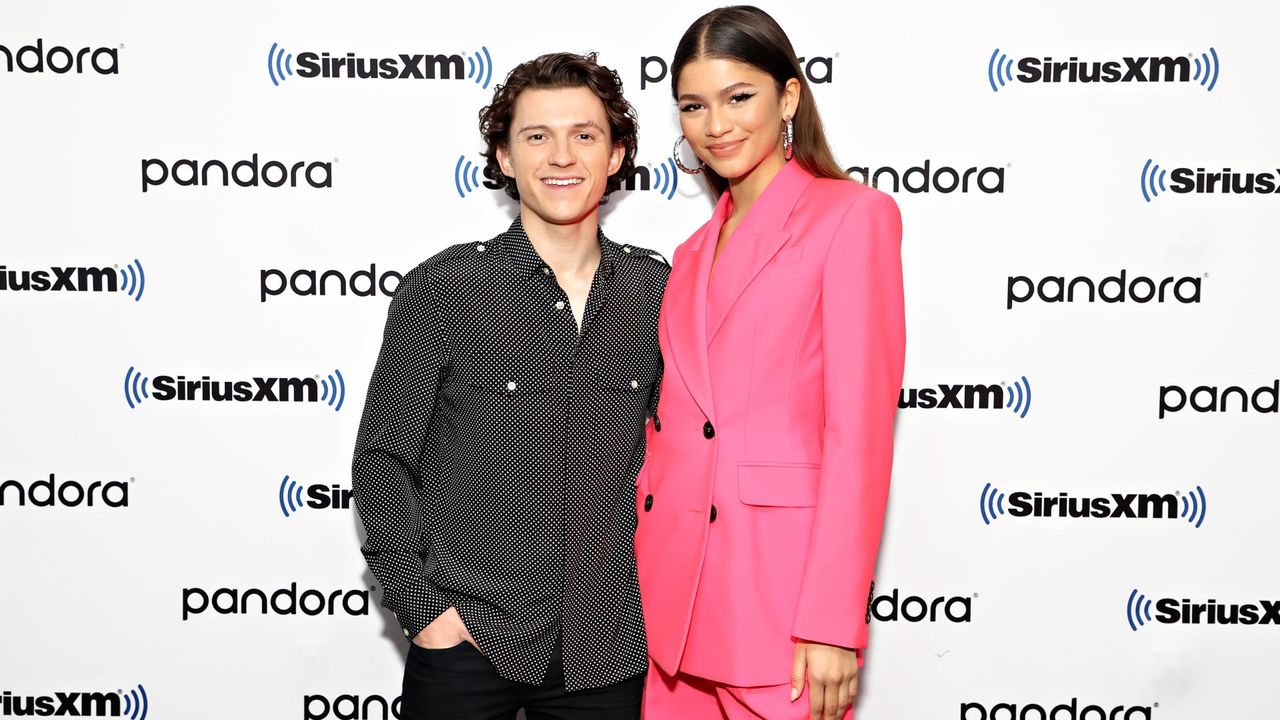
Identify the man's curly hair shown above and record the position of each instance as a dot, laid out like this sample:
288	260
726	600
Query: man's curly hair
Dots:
559	70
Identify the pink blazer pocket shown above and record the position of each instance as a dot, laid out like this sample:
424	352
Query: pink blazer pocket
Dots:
778	484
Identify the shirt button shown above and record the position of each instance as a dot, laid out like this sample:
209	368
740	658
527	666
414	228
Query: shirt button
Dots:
708	430
406	633
648	503
559	304
546	271
511	386
713	513
634	384
480	247
626	249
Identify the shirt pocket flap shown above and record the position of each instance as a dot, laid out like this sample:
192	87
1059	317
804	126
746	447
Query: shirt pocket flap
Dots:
515	382
778	484
633	374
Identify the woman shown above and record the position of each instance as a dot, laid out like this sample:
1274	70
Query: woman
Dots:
762	496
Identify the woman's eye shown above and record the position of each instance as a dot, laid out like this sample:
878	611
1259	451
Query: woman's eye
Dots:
690	107
741	97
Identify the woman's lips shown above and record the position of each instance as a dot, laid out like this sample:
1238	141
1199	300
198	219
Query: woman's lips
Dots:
721	150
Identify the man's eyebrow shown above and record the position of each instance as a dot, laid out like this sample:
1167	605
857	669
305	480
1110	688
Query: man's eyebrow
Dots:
577	125
726	91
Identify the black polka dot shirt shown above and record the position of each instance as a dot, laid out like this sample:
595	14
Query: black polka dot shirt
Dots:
495	465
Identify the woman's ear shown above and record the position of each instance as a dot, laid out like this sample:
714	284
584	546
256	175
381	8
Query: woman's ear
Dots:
790	98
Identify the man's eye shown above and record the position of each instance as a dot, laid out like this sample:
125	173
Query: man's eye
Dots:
586	136
535	137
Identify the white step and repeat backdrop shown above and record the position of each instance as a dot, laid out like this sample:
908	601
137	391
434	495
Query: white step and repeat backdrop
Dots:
1079	524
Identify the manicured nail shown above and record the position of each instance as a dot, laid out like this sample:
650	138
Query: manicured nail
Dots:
794	694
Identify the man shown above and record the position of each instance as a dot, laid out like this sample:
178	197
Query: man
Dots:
504	426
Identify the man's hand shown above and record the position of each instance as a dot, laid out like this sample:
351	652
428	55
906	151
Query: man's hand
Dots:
833	678
445	632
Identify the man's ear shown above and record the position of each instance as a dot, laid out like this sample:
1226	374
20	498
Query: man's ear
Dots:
615	158
504	161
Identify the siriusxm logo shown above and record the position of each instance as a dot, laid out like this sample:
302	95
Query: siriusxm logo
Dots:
1072	710
466	177
969	397
349	707
1110	289
479	66
285	601
662	178
331	390
310	283
1172	611
60	60
318	496
1202	70
245	173
925	178
68	493
817	70
913	608
1168	506
130	279
132	704
1209	399
1187	181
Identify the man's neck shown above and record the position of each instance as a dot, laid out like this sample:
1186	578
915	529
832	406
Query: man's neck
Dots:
568	249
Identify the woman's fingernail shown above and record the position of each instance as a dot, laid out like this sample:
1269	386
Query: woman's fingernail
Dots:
794	694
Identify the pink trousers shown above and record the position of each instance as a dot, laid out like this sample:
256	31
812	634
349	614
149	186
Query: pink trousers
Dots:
685	697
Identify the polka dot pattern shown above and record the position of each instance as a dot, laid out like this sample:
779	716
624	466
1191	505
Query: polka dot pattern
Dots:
495	465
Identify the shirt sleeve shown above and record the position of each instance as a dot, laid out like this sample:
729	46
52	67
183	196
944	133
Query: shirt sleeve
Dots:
386	467
863	352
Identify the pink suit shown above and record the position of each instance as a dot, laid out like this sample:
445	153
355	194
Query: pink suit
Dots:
762	496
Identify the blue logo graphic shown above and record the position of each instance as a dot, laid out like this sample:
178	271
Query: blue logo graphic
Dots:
135	703
133	280
480	67
466	176
279	64
333	389
666	177
1210	65
991	505
1194	509
1019	397
135	388
290	496
1152	180
1138	610
999	69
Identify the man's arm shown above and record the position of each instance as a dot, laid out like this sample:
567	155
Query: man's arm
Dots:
397	413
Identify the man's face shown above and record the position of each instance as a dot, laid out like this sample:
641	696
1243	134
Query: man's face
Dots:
560	153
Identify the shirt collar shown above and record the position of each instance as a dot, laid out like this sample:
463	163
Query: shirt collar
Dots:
526	261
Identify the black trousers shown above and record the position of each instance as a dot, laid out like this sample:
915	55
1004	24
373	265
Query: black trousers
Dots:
459	683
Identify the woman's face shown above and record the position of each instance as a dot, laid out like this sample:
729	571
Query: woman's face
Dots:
732	114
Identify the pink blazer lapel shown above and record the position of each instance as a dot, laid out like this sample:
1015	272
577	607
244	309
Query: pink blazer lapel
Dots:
755	242
685	309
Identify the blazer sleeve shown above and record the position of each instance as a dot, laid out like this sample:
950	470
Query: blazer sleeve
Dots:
385	469
863	351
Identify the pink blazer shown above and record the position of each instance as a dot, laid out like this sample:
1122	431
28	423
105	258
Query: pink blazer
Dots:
762	495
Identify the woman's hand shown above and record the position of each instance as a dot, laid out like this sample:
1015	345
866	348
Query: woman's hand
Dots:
833	678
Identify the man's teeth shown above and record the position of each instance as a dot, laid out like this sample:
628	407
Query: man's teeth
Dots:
573	181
